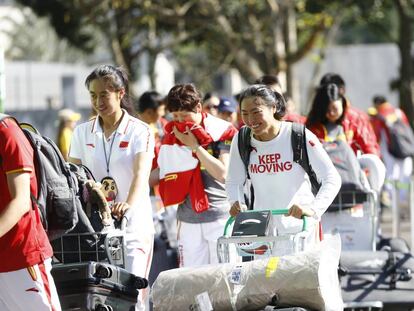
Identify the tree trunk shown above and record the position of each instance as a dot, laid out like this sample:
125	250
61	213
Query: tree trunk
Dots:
290	38
152	57
405	37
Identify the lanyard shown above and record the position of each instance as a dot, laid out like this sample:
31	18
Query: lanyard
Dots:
108	157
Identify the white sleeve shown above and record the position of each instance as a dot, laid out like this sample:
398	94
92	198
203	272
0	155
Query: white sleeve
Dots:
326	173
75	150
236	173
144	141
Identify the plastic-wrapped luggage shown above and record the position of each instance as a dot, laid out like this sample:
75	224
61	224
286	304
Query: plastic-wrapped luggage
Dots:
96	286
307	279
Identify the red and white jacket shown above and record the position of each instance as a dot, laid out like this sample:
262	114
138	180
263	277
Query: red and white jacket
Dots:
358	131
380	114
180	173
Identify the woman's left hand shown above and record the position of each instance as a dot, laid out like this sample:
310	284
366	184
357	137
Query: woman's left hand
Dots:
299	211
187	138
119	209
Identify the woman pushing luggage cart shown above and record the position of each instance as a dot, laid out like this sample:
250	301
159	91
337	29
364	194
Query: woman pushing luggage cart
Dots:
284	165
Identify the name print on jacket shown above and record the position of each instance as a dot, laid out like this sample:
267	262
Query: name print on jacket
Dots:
270	163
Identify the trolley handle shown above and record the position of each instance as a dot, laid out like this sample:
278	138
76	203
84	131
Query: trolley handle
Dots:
284	211
125	219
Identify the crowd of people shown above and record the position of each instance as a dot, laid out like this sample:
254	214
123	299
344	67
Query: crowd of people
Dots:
184	148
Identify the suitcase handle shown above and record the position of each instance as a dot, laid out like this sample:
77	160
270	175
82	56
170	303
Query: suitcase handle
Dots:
102	307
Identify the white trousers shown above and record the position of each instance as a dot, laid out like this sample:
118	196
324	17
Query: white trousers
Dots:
197	243
138	259
29	289
399	170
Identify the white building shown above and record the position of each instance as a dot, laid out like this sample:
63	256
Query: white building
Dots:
34	85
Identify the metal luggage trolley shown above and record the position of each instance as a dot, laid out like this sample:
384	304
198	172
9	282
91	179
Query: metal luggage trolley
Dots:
106	247
354	215
253	247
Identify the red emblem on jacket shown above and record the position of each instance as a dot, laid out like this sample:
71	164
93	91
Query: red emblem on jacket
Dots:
123	144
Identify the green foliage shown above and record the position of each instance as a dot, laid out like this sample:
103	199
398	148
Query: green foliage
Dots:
375	23
34	39
65	18
248	35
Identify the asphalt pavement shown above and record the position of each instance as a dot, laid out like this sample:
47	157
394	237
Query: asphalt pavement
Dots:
386	224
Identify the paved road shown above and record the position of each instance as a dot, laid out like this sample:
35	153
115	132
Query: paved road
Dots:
386	224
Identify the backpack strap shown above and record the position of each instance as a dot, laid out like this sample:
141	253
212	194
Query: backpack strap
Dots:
244	145
300	154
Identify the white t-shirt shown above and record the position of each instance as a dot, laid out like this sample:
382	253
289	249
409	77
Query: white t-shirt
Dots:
131	137
279	182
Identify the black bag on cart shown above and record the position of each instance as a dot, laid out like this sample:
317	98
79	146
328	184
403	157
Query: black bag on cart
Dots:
382	276
96	286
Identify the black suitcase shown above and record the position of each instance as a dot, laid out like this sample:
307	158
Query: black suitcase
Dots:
96	286
373	277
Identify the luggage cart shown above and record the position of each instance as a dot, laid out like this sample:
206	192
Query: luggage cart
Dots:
89	271
107	247
253	247
354	215
83	247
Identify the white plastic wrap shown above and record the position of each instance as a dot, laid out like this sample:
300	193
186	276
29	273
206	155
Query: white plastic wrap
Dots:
308	279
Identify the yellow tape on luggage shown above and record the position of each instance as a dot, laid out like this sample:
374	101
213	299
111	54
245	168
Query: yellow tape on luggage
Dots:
271	266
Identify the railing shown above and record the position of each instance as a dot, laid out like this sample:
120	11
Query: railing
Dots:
396	186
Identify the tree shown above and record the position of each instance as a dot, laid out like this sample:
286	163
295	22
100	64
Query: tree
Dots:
32	38
254	37
386	21
246	35
127	29
405	13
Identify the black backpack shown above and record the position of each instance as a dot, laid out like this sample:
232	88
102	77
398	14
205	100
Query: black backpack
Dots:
401	144
300	155
57	198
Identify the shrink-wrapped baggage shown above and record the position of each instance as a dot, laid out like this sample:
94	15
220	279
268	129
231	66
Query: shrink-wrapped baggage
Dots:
307	279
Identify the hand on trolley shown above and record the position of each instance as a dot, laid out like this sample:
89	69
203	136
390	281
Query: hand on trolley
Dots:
236	208
119	209
300	211
294	211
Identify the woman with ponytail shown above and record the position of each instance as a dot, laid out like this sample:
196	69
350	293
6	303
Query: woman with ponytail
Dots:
118	149
278	181
327	116
328	119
